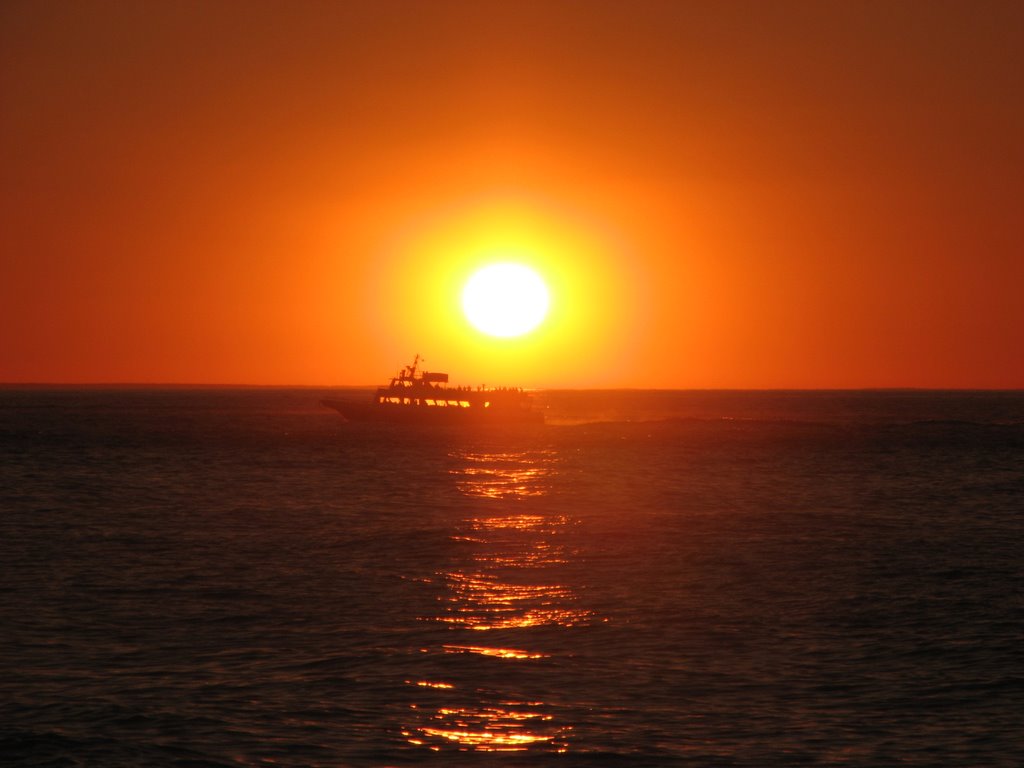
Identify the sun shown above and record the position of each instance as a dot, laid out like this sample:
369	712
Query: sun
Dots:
505	299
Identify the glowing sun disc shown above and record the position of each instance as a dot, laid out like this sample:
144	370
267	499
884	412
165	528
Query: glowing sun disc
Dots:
505	299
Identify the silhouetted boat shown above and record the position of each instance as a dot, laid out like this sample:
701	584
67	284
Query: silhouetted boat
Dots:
424	397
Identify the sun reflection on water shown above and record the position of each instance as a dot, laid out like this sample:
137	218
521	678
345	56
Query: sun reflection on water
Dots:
506	579
480	601
490	729
504	653
503	475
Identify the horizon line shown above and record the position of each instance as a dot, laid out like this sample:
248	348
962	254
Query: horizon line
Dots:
195	385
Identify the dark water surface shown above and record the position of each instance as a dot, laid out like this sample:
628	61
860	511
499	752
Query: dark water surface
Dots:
238	577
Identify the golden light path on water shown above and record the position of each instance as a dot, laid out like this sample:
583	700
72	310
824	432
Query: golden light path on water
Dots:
504	475
504	653
499	586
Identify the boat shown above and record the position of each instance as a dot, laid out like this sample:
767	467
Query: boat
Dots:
425	397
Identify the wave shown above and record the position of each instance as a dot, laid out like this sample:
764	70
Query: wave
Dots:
919	433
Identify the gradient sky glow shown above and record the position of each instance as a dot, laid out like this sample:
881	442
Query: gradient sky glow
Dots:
734	194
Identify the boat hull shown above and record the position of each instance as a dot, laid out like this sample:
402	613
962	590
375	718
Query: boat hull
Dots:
391	413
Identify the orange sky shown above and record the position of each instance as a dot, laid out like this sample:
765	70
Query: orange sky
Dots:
719	194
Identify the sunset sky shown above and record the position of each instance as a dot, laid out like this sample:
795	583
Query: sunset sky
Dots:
717	194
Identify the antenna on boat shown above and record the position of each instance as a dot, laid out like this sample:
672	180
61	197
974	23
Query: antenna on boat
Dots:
409	372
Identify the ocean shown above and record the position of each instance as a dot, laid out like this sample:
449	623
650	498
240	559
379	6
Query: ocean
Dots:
238	577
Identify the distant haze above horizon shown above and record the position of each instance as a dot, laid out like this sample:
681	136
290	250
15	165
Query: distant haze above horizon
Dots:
789	195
